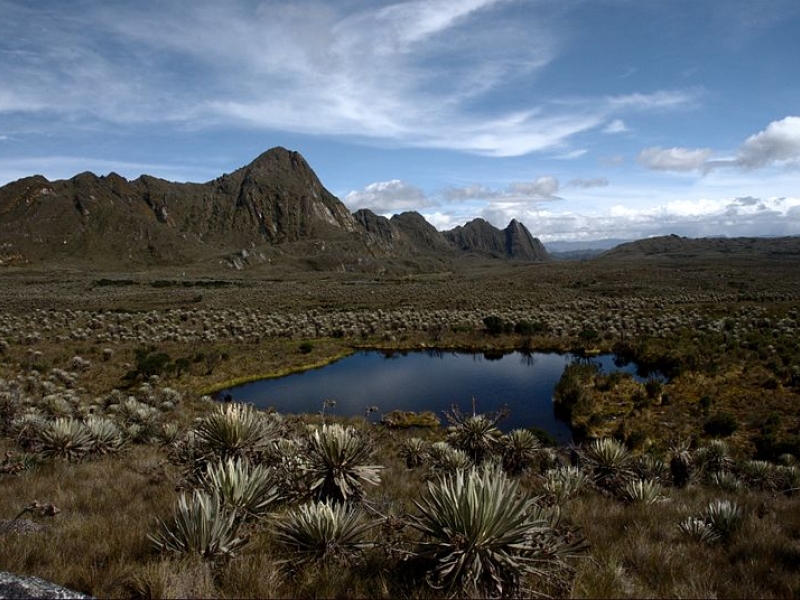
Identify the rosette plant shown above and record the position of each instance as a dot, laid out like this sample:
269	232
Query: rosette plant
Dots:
482	536
336	464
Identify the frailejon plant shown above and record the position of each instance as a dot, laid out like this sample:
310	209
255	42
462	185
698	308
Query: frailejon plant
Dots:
247	490
475	434
232	430
480	534
413	451
713	458
286	457
724	517
67	439
106	437
698	529
323	531
564	483
610	463
643	491
201	526
443	458
335	463
520	448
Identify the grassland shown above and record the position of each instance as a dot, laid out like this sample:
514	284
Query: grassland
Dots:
142	349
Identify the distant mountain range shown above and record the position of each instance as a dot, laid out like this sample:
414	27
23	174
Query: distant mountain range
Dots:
275	214
272	211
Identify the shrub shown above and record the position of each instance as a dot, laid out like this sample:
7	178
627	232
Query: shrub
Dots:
495	325
722	424
724	517
201	526
442	457
480	535
681	464
524	327
714	458
149	362
698	529
572	390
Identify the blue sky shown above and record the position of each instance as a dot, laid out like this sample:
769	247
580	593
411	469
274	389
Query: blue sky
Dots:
584	119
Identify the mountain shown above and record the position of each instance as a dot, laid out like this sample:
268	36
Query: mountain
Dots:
514	242
273	211
674	246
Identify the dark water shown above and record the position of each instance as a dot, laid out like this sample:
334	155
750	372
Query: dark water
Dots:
420	381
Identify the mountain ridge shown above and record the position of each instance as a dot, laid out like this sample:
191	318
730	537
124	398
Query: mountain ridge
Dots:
273	209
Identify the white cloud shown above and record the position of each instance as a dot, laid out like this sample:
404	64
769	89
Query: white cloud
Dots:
541	189
662	99
572	155
612	161
616	126
594	182
388	197
778	143
410	73
674	159
697	218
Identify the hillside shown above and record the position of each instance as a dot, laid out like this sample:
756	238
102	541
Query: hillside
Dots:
274	211
677	247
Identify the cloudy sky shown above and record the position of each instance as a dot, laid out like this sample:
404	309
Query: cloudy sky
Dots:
584	119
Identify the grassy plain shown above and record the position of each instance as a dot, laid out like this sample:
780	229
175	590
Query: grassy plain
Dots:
724	328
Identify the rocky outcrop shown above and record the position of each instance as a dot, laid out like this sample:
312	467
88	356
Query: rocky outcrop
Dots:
14	586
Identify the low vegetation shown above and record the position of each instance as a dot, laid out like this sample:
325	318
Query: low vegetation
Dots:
122	478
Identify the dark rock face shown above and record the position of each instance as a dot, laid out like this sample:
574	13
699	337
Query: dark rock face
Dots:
514	242
521	245
420	234
13	586
274	203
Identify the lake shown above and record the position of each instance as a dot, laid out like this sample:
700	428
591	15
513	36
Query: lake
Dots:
427	380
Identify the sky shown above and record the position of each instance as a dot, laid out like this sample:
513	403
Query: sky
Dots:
583	119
